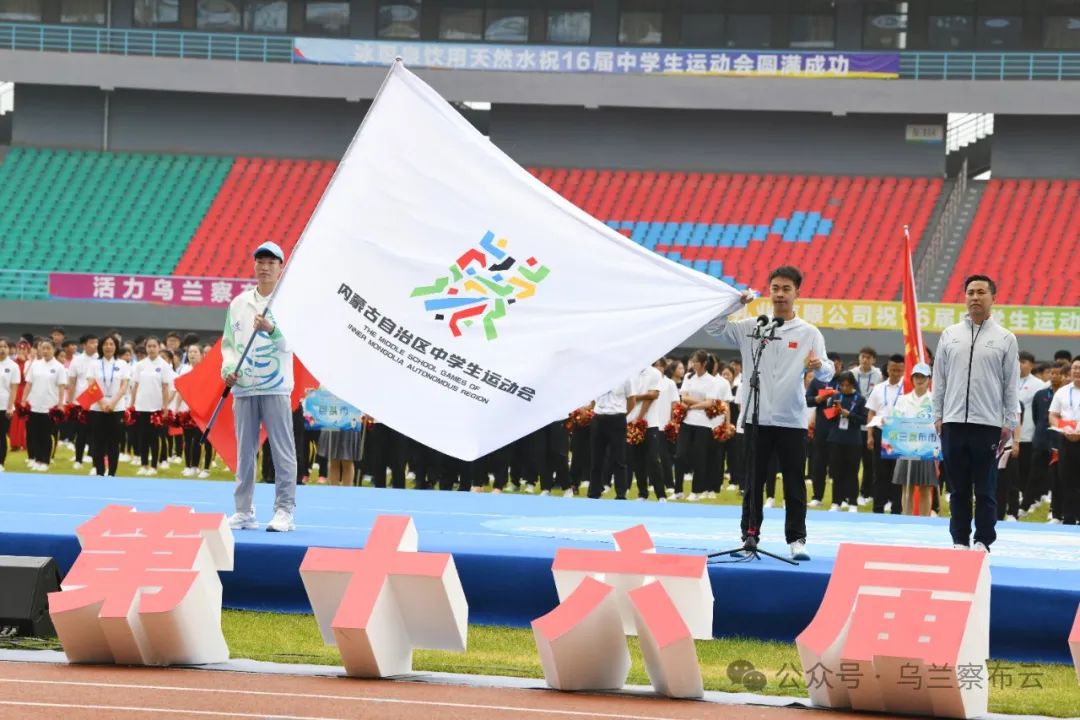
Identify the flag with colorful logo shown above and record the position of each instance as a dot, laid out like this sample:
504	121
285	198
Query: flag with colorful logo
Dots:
458	299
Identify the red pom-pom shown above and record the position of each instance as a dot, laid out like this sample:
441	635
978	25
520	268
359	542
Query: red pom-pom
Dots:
157	418
671	430
723	432
23	409
716	409
678	413
57	415
129	416
635	432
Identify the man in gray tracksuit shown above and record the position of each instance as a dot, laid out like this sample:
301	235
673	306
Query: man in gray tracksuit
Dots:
976	375
262	389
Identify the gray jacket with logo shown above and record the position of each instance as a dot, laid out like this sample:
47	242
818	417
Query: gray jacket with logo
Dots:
976	374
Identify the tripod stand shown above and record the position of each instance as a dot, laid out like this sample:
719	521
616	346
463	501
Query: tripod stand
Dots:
749	549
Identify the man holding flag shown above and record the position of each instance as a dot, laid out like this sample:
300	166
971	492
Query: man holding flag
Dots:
262	383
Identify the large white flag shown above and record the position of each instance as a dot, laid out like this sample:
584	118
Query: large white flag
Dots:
450	294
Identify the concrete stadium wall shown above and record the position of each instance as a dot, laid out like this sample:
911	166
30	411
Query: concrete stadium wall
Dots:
146	121
1028	146
715	140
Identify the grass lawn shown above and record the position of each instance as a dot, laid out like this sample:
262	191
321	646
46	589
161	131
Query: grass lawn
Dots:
1052	689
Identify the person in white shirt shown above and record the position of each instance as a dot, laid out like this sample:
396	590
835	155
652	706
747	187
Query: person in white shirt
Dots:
150	380
10	380
609	440
112	375
77	384
781	423
699	391
669	395
1029	385
867	377
880	404
46	380
1065	415
911	475
644	459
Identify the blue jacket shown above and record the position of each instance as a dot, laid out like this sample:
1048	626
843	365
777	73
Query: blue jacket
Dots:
853	435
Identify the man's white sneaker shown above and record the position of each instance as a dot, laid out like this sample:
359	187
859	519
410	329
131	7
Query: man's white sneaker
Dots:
141	471
568	492
769	502
76	466
1010	518
151	472
243	521
164	465
798	550
853	509
980	547
888	507
692	497
814	503
958	546
834	508
188	472
663	500
844	505
203	474
282	522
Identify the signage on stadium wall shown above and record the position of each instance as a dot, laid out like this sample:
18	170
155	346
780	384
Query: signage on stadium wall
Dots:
933	317
598	60
164	290
929	134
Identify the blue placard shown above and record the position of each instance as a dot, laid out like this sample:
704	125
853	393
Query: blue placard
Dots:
911	438
325	411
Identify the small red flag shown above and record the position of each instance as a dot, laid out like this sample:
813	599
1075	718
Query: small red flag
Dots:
202	387
90	395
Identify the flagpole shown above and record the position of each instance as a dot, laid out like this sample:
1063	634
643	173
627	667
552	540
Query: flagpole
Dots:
269	301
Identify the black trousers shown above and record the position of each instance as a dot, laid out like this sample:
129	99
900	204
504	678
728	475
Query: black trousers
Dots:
1026	484
647	462
789	445
884	489
693	454
844	466
1039	484
5	424
1008	488
39	437
866	488
970	462
556	469
819	468
82	439
194	448
1069	482
580	455
609	454
148	439
106	430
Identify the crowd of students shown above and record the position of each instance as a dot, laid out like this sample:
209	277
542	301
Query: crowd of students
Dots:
138	416
670	431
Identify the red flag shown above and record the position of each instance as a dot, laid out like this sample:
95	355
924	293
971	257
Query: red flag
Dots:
90	395
202	387
914	349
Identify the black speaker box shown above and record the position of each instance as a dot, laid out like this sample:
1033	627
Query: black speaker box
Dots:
25	583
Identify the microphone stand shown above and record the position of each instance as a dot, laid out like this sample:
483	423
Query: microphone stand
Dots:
749	549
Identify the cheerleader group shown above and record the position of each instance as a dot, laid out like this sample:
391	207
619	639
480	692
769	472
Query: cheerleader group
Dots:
105	399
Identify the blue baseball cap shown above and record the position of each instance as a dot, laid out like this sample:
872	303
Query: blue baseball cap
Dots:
269	249
922	369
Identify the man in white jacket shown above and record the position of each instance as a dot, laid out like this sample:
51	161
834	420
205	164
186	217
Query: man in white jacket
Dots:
261	388
782	420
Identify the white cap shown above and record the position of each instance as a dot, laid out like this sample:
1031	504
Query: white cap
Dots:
271	248
921	369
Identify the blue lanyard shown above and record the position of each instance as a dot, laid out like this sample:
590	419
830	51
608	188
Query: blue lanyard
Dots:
885	392
109	381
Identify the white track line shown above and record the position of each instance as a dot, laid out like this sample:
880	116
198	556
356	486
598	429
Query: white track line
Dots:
164	711
348	698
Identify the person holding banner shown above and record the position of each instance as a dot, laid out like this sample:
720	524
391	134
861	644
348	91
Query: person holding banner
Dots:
976	377
916	476
112	376
261	390
1065	417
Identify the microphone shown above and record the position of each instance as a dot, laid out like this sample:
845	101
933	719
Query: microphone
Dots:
762	320
773	324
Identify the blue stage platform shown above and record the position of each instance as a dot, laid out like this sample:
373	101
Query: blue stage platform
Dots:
503	546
